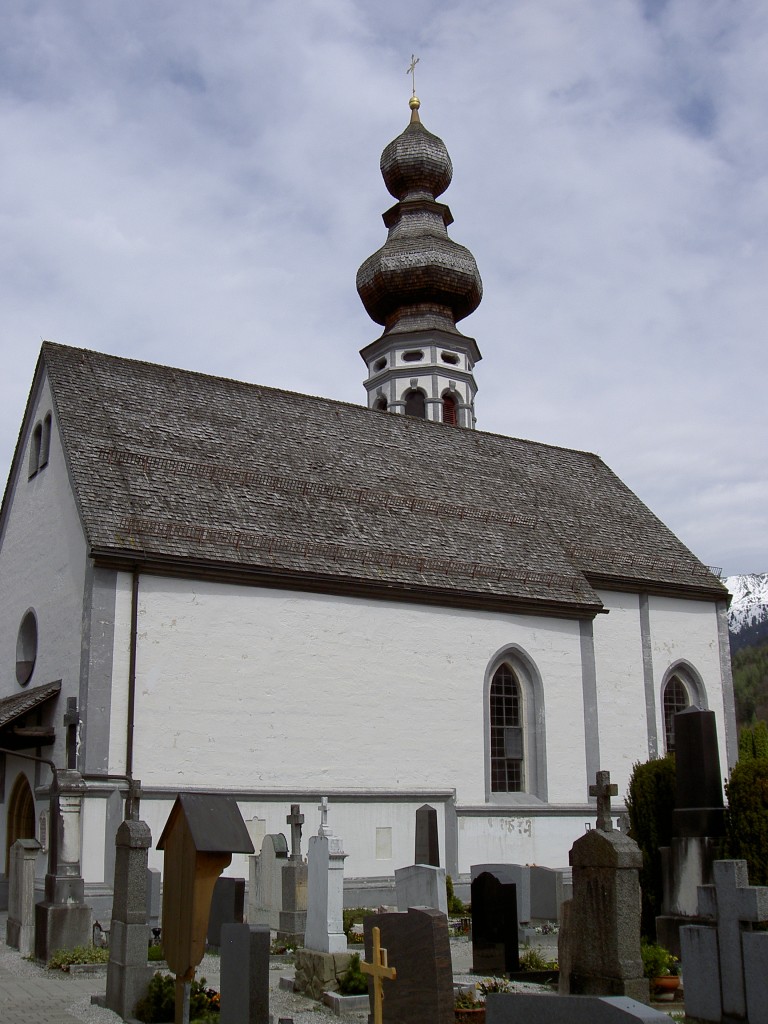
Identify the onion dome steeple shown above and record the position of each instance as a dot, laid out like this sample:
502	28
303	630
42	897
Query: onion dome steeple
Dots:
417	286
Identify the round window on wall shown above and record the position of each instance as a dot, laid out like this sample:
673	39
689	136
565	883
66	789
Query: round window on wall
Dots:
26	649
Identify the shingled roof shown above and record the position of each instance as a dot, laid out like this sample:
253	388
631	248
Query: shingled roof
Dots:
185	473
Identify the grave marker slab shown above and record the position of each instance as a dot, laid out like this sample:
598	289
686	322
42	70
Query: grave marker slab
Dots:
516	874
494	926
20	927
427	843
325	894
522	1008
421	885
245	974
266	889
418	948
227	906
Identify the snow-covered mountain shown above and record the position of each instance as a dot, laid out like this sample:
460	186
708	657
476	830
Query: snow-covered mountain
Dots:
748	614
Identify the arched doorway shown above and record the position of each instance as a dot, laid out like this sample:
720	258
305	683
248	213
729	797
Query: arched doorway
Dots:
21	816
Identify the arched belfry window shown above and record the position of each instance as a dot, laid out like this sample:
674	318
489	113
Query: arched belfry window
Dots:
450	409
675	699
506	732
380	404
415	404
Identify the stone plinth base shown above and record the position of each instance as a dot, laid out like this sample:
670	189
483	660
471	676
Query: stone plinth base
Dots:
61	926
128	976
293	924
633	988
319	972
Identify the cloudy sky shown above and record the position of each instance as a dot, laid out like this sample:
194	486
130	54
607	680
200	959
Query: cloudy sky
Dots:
196	183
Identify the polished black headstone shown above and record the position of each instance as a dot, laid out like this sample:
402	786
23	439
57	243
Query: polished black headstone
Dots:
244	974
699	789
427	847
494	925
418	948
227	905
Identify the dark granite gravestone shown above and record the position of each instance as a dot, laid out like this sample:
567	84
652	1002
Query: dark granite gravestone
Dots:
699	823
418	948
227	906
427	846
494	925
244	974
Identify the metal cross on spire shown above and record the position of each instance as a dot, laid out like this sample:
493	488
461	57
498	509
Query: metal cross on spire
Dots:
412	70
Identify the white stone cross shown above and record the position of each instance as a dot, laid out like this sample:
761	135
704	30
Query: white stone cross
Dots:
323	808
733	903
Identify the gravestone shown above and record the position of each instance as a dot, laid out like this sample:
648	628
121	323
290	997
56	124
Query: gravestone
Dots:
427	844
515	874
20	927
153	897
265	898
599	949
547	893
244	974
494	926
324	956
724	964
524	1008
127	972
699	823
293	915
227	905
421	885
418	949
62	919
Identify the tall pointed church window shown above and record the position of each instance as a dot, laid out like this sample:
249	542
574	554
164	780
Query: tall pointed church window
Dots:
506	732
675	699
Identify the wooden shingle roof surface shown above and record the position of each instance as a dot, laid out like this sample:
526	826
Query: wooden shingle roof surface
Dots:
182	469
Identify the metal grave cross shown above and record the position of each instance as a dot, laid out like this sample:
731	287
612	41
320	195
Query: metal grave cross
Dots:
380	970
295	819
603	790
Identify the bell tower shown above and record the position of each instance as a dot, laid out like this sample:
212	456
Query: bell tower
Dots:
417	286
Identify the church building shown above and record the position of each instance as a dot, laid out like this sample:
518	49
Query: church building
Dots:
212	586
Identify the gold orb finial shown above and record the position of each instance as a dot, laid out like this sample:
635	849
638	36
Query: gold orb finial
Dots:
414	103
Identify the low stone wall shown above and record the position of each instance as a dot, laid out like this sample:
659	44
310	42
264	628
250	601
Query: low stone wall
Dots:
319	972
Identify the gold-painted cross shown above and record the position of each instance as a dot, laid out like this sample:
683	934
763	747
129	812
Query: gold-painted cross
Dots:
412	70
380	969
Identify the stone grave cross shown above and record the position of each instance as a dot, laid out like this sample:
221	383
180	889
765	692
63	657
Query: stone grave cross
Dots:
733	903
133	800
295	819
380	970
603	790
323	808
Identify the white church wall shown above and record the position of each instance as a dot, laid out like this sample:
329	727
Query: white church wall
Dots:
520	839
42	567
687	632
620	687
121	655
247	688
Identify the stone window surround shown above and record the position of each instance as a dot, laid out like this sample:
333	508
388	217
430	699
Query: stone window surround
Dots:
534	726
40	445
691	680
26	647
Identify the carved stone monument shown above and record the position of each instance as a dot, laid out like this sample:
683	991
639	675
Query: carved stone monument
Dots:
265	898
20	927
293	913
599	947
427	843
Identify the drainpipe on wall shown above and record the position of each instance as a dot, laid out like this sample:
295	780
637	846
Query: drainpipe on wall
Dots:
132	674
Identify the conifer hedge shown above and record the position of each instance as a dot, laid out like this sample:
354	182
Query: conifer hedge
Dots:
650	803
746	817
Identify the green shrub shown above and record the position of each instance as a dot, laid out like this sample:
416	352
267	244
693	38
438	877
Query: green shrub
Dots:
63	959
455	906
534	960
353	982
657	961
155	953
159	1004
354	915
753	742
746	818
650	803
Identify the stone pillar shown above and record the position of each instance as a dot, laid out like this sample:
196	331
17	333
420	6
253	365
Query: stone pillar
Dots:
325	883
293	916
603	933
63	920
128	974
20	928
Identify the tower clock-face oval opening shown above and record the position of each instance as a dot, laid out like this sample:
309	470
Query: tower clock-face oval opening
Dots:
26	648
414	355
379	364
450	357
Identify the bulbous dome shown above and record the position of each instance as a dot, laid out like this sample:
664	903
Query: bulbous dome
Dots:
420	278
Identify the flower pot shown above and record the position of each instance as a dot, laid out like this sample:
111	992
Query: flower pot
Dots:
666	986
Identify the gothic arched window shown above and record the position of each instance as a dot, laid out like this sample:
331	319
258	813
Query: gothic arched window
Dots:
675	699
450	409
415	404
506	732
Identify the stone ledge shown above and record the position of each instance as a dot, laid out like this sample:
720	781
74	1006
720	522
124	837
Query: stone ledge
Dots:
345	1004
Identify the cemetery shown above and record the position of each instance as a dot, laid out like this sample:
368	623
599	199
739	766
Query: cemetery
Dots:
536	944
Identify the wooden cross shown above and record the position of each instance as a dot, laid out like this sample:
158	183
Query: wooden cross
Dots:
295	820
380	970
412	71
603	790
